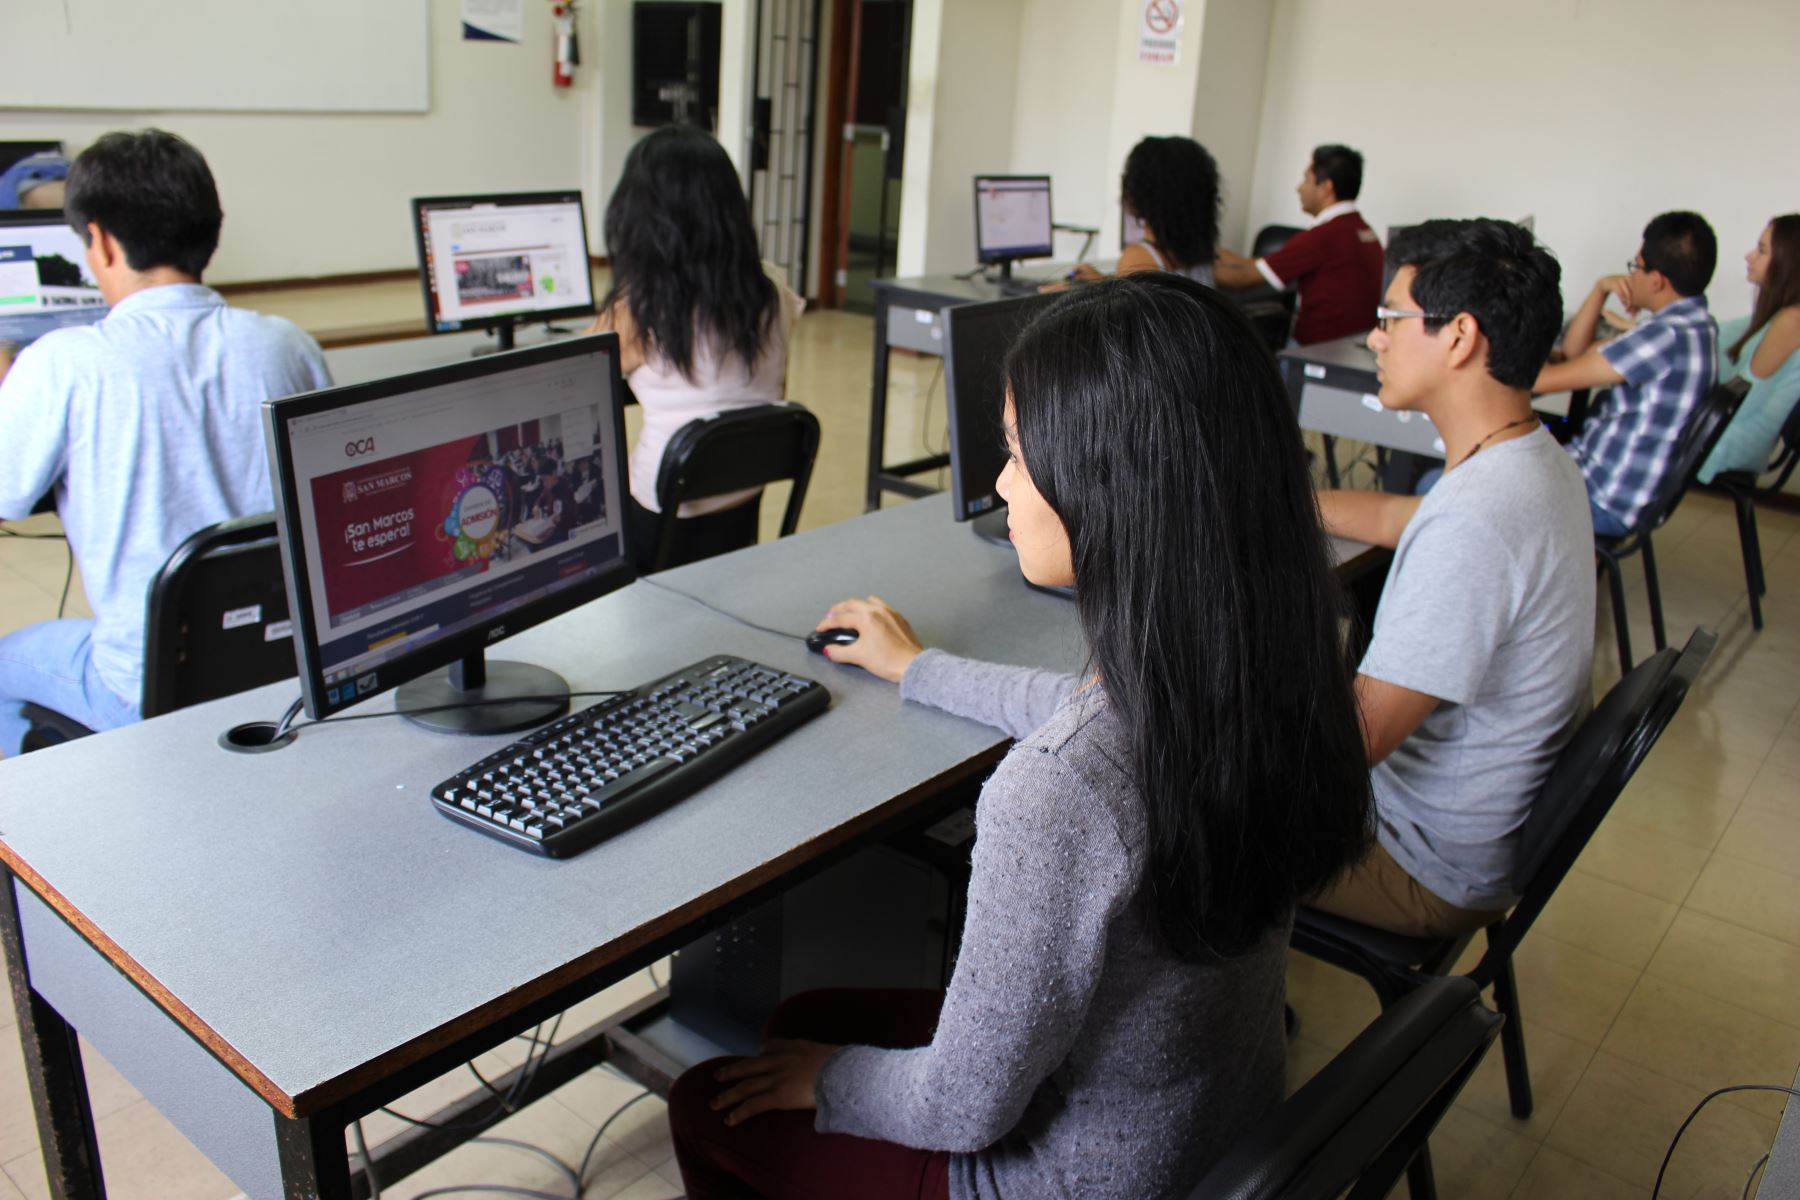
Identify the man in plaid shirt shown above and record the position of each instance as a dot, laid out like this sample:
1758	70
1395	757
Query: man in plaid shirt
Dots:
1658	371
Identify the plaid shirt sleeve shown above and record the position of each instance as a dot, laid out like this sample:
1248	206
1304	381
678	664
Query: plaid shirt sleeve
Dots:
1642	354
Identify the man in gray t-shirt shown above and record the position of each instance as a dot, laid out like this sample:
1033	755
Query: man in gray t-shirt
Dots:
1478	668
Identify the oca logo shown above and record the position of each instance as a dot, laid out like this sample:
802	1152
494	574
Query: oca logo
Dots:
358	448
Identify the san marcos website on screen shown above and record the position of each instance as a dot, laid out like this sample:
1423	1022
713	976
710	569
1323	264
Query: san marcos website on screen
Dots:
428	513
496	260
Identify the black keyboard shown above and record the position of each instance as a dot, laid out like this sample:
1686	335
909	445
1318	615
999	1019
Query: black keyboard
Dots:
578	780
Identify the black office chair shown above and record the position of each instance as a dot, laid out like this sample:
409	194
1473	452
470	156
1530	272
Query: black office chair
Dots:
1742	487
1708	421
1271	238
728	452
1589	775
1366	1115
207	628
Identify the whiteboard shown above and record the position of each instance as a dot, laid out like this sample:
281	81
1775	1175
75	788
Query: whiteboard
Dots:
209	55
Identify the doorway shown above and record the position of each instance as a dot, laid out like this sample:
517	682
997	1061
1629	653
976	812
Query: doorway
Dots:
870	45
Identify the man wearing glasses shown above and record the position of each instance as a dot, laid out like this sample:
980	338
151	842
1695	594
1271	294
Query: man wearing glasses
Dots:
1658	371
1477	668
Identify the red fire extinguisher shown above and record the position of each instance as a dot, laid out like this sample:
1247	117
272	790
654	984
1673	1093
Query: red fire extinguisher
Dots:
568	48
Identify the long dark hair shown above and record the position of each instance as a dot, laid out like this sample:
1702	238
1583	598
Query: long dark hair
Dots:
1152	421
684	255
1172	184
1782	285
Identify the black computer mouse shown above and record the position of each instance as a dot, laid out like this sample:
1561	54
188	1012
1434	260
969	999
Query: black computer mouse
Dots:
818	639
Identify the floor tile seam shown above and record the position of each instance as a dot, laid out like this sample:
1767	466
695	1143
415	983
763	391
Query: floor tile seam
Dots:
1511	1123
1518	1194
1730	1099
1711	847
1712	1001
1576	869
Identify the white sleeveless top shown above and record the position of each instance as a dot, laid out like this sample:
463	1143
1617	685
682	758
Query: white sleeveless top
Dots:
718	383
1201	273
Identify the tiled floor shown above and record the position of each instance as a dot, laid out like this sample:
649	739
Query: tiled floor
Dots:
1668	964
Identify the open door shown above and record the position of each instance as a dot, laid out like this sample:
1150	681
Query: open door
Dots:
866	105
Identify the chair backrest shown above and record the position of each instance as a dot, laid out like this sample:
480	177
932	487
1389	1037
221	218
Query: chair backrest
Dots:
217	618
1702	433
731	451
1589	775
1271	238
1367	1113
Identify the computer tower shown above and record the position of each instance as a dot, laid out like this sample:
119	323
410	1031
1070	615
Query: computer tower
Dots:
889	916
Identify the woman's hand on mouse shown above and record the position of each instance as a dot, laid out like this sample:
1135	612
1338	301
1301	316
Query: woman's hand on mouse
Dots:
885	644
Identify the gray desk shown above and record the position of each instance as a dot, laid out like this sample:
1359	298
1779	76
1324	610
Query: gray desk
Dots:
909	314
1333	386
270	946
381	360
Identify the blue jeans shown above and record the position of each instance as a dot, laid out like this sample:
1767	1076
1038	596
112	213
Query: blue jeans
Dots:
1427	481
1605	524
51	664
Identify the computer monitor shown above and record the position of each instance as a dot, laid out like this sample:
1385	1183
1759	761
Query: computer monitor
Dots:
1012	219
489	262
976	339
426	516
45	282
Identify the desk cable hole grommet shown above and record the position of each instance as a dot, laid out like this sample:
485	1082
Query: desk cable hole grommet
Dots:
256	737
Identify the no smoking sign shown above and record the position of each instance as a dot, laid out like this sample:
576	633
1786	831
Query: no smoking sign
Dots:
1159	32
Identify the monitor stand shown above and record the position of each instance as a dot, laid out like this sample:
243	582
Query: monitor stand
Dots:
504	332
511	696
990	526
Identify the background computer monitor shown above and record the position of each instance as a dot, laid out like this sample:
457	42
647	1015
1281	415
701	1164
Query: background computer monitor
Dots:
1012	219
489	262
426	516
45	282
976	339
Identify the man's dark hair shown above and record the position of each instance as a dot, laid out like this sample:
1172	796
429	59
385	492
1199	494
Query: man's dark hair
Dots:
1681	245
1342	166
153	192
1496	273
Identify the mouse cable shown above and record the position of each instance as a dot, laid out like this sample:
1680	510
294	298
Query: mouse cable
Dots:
729	616
1750	1179
1704	1101
287	722
368	1160
593	1145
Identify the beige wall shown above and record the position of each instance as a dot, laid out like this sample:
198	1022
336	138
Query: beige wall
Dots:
323	194
1592	116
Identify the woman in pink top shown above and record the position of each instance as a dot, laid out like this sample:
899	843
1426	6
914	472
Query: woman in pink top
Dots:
703	323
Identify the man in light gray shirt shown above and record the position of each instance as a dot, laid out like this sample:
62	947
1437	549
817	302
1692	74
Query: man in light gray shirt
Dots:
146	427
1478	667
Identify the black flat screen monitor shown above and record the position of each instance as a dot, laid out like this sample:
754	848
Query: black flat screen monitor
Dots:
976	339
426	516
1012	218
45	281
489	262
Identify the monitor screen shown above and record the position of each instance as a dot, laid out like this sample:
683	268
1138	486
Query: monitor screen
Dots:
422	515
488	260
976	339
45	281
1012	217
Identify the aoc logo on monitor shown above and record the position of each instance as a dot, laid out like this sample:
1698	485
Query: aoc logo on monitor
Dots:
360	447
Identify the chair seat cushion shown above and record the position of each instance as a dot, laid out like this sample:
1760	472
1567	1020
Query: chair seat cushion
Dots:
1394	948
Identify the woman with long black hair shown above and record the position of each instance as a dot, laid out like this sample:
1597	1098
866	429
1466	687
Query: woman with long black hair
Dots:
1170	197
703	323
1115	1017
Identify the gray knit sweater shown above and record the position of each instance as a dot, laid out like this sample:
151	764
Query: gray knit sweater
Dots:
1075	1056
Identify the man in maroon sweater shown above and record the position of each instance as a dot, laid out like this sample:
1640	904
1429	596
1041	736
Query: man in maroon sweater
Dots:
1336	264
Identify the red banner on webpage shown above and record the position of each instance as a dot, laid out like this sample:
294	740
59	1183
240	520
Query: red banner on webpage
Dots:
394	528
